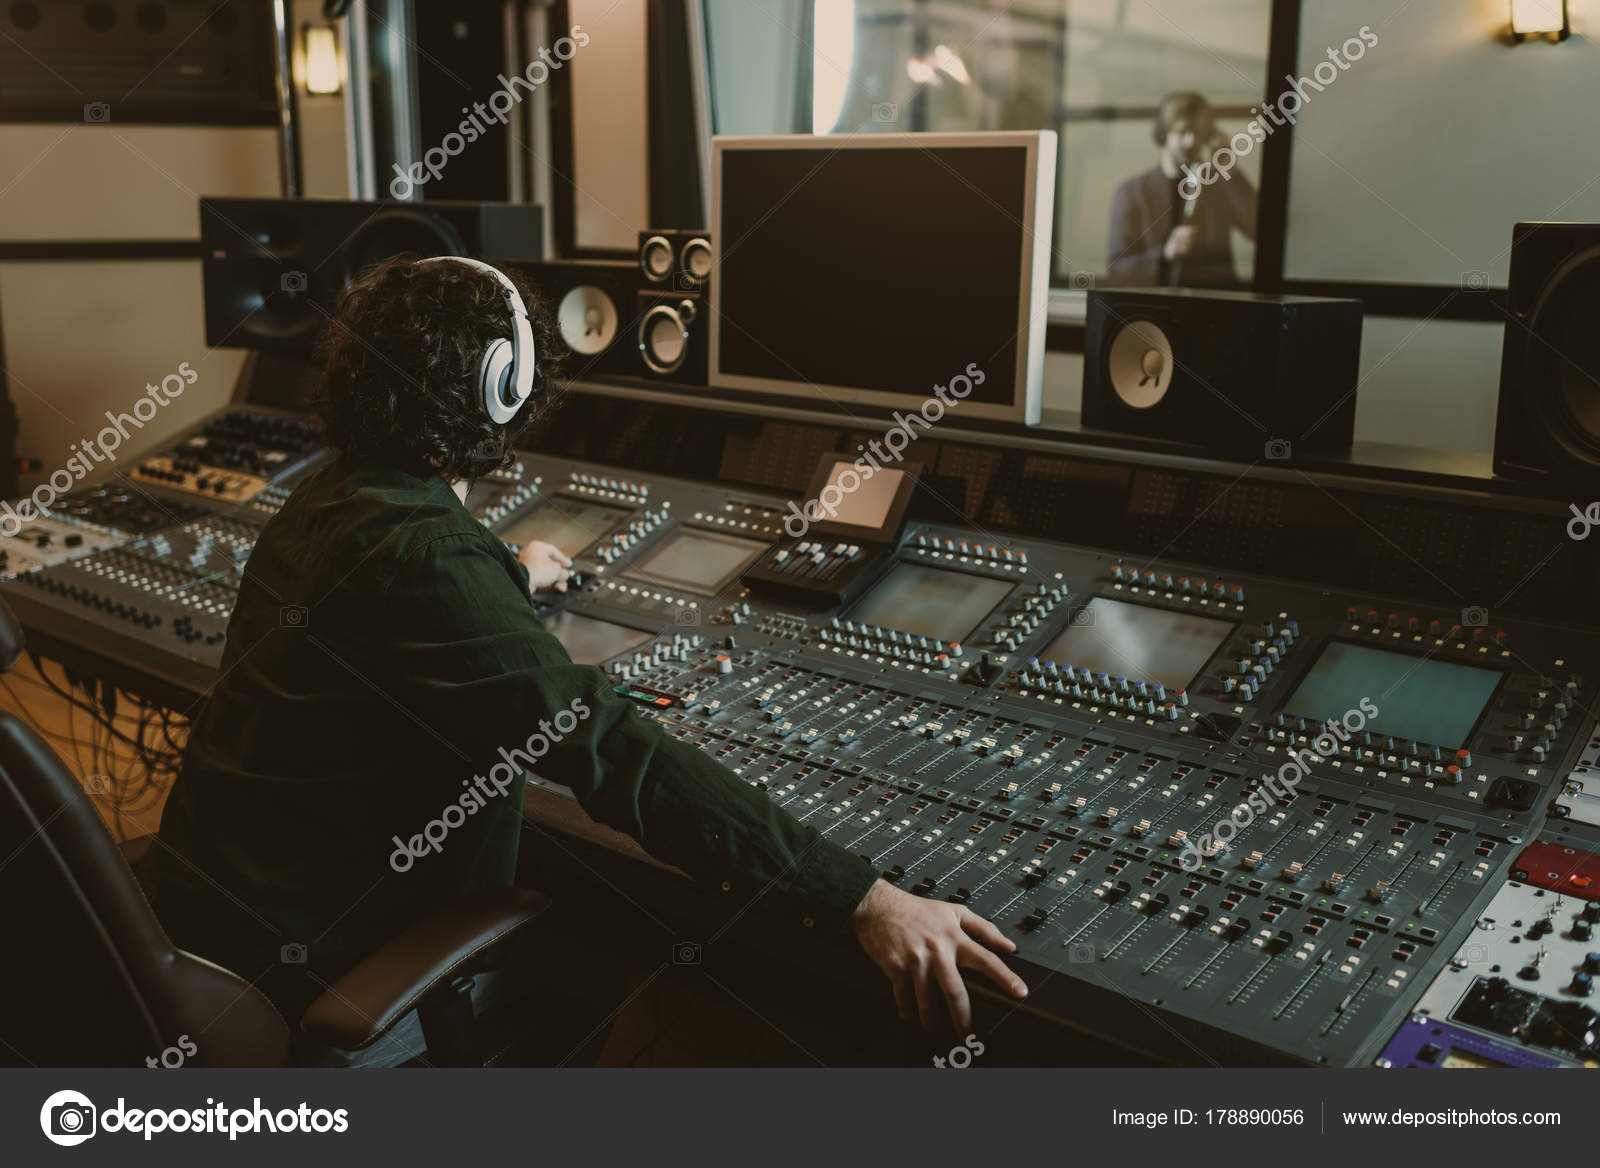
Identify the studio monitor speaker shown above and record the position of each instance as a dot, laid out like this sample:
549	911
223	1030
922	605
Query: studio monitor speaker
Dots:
675	260
1548	423
1240	374
671	336
596	310
272	269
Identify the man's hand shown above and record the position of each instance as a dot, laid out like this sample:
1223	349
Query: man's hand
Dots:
922	945
547	566
1180	242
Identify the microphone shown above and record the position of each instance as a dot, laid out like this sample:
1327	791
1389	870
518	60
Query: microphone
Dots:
1213	144
1174	273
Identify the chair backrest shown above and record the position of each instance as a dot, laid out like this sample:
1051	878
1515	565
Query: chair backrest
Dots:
89	977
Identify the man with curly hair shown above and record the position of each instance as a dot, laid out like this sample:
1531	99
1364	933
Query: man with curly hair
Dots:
385	656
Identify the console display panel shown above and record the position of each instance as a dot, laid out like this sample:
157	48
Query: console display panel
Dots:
569	524
1138	642
1436	702
697	561
930	602
867	504
589	641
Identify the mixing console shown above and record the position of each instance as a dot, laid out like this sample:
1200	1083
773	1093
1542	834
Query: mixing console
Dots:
1248	805
233	456
49	540
137	570
1045	734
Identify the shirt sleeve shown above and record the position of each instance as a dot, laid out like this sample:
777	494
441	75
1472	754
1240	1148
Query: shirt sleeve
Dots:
477	665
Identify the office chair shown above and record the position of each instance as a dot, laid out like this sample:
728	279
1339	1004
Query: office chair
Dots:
90	978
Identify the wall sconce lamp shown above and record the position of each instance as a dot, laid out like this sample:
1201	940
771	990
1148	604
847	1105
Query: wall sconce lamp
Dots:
1539	19
324	73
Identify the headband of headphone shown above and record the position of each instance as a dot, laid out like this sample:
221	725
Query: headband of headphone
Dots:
505	376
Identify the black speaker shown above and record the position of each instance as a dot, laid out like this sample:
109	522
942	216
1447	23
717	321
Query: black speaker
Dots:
1241	374
1548	422
677	261
272	269
671	338
596	309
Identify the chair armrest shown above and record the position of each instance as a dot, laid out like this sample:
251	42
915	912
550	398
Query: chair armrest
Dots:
361	1006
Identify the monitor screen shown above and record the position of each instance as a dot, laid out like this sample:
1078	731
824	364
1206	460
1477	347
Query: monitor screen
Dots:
569	524
1436	702
589	641
697	561
867	505
1137	642
877	268
930	602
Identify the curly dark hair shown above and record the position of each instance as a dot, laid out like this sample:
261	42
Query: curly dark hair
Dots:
399	362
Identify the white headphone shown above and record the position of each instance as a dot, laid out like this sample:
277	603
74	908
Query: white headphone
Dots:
505	377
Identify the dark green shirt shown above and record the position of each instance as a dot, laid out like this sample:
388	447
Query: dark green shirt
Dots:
359	760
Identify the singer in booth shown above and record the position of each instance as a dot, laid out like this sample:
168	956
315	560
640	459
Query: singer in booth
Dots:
1167	229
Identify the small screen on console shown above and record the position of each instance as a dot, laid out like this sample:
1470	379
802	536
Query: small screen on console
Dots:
865	505
1436	702
589	641
697	561
569	524
1136	642
930	602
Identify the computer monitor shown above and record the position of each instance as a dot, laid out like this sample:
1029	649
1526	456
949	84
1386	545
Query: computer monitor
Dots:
873	268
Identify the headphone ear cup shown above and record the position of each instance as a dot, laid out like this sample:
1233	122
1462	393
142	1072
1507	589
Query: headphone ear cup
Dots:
494	377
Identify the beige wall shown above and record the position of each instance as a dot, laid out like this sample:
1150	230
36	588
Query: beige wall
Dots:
1413	167
83	337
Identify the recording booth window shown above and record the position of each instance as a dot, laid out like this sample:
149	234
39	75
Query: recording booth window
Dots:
1135	96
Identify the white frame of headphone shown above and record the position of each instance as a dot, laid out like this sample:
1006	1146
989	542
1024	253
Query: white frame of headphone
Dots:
508	362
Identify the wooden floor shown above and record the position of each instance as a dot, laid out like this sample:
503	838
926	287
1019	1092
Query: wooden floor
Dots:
672	1020
127	792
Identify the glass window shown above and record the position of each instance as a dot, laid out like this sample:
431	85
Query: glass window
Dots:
1135	89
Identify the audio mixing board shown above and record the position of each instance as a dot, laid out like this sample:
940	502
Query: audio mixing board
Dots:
1250	805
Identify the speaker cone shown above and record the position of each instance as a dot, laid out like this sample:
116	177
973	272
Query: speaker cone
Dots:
664	336
587	320
1139	364
655	258
696	260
